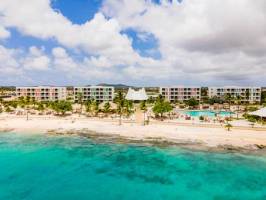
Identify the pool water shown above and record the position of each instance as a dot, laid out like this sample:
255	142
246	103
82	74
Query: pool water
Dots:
208	113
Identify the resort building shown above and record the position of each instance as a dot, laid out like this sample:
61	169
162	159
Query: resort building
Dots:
180	93
98	93
42	93
247	94
136	95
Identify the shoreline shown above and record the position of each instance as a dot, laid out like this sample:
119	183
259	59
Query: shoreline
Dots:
161	134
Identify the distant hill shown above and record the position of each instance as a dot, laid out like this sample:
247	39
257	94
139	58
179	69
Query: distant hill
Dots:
117	86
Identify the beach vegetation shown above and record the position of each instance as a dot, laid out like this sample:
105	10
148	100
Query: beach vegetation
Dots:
214	100
238	100
251	108
192	103
228	126
161	106
95	107
201	118
228	99
151	100
80	101
124	107
107	107
61	107
128	108
251	118
88	106
8	109
120	102
143	107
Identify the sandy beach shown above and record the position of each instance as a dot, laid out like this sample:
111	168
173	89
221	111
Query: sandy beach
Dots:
173	133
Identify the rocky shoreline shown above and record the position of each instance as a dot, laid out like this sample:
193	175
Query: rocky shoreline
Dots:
160	142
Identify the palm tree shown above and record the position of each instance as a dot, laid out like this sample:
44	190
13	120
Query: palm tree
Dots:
107	107
143	107
238	101
80	101
88	105
128	106
120	101
228	98
228	126
247	95
95	107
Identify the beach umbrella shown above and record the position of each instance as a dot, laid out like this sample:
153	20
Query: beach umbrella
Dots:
261	112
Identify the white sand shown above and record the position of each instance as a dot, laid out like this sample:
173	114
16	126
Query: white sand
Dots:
209	136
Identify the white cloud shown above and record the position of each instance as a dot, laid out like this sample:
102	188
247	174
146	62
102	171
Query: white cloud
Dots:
208	38
8	62
62	61
3	33
199	41
89	67
36	60
99	36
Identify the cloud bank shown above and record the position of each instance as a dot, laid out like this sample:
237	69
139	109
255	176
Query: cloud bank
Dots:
200	42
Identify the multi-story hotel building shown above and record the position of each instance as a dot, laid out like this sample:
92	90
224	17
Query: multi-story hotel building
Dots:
180	93
98	93
247	94
42	93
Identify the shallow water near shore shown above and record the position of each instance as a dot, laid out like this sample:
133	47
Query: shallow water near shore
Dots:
65	168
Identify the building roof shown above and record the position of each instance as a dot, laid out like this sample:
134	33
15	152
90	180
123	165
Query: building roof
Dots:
261	112
136	95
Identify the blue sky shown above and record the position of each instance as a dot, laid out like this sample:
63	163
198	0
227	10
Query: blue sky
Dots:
66	42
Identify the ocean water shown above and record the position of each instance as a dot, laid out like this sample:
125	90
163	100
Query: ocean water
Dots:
74	168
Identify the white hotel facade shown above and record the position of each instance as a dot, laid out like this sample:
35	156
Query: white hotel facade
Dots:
98	93
247	94
180	93
42	93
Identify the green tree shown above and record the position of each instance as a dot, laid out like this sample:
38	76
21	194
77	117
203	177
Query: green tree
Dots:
80	101
228	126
40	106
228	98
161	106
214	100
144	108
8	109
128	108
247	96
106	107
150	100
192	102
95	107
88	105
61	107
120	102
263	97
238	102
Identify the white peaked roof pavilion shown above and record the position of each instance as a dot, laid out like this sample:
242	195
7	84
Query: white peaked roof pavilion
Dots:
261	112
136	95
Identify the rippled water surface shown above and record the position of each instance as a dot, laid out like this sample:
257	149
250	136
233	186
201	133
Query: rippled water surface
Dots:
74	168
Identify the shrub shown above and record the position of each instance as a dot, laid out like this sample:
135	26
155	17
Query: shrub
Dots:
228	126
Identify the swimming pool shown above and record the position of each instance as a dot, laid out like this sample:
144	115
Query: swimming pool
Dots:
209	113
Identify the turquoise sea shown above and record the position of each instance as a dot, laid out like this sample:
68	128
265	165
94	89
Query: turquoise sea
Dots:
75	168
